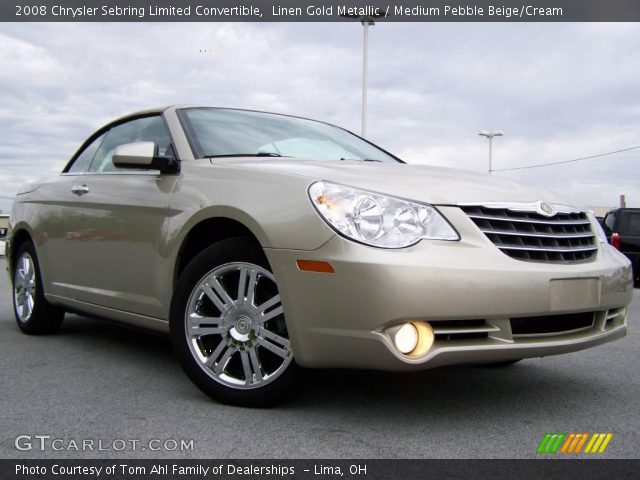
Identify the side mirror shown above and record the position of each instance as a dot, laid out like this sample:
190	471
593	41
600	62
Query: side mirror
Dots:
142	155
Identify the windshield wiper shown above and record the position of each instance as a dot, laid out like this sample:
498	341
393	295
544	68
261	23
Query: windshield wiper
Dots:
259	154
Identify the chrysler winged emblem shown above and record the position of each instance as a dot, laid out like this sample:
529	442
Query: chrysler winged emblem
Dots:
546	209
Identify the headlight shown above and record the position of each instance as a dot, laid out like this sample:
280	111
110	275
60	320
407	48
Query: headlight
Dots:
378	220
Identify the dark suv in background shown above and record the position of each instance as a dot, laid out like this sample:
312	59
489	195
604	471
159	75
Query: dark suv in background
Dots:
622	227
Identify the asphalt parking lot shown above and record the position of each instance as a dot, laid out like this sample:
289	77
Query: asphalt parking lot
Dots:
102	381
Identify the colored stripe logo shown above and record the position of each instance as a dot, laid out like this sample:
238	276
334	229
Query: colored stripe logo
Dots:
574	443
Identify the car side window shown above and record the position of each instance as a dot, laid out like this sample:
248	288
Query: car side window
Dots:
610	220
146	129
83	161
633	224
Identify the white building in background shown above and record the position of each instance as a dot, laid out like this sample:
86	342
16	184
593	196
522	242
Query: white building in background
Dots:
4	224
601	211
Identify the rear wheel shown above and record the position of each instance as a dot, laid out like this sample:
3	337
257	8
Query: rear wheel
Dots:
33	313
228	328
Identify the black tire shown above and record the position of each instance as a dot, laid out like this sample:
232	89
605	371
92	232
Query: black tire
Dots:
202	265
43	317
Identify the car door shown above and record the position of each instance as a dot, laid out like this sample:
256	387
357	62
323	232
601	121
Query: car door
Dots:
49	207
118	227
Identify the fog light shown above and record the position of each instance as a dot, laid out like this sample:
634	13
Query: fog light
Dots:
425	339
406	338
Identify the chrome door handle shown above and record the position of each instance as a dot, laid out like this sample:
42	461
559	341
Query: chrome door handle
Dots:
79	189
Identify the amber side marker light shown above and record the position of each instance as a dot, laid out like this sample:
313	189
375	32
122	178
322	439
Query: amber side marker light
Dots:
314	266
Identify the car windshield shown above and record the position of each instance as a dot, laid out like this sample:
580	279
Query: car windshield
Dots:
218	132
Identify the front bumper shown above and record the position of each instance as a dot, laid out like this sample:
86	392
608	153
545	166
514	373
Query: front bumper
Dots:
340	319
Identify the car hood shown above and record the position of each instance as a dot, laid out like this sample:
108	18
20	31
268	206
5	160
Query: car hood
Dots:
435	185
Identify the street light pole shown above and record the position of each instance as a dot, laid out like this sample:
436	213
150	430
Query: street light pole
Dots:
490	135
366	21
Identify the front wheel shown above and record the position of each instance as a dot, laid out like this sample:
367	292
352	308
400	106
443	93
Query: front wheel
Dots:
228	328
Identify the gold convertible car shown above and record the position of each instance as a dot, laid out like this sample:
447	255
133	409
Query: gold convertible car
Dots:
263	242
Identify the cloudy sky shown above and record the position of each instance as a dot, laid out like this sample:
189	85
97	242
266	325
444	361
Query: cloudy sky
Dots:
559	91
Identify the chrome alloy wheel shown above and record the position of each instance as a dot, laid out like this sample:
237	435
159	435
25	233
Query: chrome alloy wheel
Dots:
235	326
24	287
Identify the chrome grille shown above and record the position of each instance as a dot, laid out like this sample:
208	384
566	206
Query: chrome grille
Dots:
530	236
